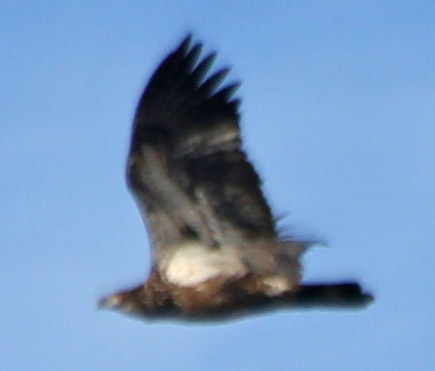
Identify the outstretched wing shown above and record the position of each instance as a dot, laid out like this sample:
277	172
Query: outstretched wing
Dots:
186	168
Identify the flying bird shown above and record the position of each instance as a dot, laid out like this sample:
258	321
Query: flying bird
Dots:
215	247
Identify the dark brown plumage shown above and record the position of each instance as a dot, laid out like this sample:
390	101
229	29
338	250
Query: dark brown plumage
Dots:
216	251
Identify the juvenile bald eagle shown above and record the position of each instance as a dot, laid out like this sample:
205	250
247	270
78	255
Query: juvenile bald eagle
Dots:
215	247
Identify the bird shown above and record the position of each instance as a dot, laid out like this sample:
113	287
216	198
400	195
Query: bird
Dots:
216	250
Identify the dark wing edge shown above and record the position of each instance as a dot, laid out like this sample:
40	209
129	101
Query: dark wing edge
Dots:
180	102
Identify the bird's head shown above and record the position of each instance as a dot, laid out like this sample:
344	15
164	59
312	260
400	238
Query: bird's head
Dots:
130	301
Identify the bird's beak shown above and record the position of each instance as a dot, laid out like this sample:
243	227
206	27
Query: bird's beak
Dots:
112	301
101	304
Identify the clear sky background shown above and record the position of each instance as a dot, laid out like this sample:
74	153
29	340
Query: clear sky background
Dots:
338	116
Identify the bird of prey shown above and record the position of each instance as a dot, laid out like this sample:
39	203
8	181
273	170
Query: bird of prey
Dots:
215	246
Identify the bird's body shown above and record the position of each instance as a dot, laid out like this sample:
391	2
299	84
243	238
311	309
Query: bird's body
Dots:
213	235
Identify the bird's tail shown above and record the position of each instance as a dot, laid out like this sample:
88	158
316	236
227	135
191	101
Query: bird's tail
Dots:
342	294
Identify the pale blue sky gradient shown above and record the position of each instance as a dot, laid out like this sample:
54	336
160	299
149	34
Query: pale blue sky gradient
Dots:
338	115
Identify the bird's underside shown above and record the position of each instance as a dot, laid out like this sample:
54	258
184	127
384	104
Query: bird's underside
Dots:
216	252
229	299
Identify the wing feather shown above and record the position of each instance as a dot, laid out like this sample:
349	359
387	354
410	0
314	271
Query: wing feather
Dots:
186	167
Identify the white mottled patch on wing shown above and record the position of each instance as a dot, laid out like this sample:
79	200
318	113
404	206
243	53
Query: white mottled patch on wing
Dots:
192	264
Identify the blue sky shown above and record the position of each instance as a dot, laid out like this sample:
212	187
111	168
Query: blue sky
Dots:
338	116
